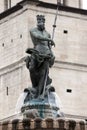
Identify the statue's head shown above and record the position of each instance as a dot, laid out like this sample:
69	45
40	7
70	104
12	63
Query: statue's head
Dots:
41	22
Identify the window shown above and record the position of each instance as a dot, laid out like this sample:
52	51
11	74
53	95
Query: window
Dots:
68	90
7	91
65	31
3	44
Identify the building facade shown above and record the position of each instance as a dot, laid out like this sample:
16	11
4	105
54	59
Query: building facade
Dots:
6	4
69	72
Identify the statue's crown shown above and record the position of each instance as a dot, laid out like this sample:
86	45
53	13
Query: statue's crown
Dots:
39	17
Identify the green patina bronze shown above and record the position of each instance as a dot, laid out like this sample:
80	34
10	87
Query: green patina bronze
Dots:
41	96
41	57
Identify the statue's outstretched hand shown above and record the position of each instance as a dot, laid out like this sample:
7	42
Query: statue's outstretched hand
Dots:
52	43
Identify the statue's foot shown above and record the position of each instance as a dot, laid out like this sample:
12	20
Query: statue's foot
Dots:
49	81
41	97
51	89
27	90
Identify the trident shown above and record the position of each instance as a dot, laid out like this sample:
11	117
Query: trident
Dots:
54	25
47	70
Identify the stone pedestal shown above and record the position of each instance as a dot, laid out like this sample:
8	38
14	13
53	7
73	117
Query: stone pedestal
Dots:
47	107
46	124
43	108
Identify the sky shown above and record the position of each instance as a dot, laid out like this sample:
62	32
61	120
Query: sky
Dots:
85	4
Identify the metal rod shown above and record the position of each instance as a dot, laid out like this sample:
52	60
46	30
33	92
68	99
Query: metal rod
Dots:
54	25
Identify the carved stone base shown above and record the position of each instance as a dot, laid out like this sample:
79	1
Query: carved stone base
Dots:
42	107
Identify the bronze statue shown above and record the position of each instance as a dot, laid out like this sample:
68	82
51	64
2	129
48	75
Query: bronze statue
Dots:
40	59
41	96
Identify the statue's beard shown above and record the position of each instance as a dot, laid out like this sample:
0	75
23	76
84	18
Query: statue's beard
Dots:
41	28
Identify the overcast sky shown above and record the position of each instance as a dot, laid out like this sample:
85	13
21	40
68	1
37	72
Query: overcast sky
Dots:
85	4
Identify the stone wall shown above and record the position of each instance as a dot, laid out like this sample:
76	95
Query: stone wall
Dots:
4	4
1	6
45	124
13	74
72	3
76	3
14	2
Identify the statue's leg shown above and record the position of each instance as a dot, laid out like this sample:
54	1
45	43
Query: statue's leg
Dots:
51	60
41	83
33	72
43	78
27	60
49	80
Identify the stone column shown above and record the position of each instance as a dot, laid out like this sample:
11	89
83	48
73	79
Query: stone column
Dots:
62	1
59	1
81	4
5	4
9	3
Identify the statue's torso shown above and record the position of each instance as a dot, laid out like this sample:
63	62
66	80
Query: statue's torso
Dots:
40	45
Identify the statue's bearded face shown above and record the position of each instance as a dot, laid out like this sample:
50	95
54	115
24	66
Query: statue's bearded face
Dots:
41	24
